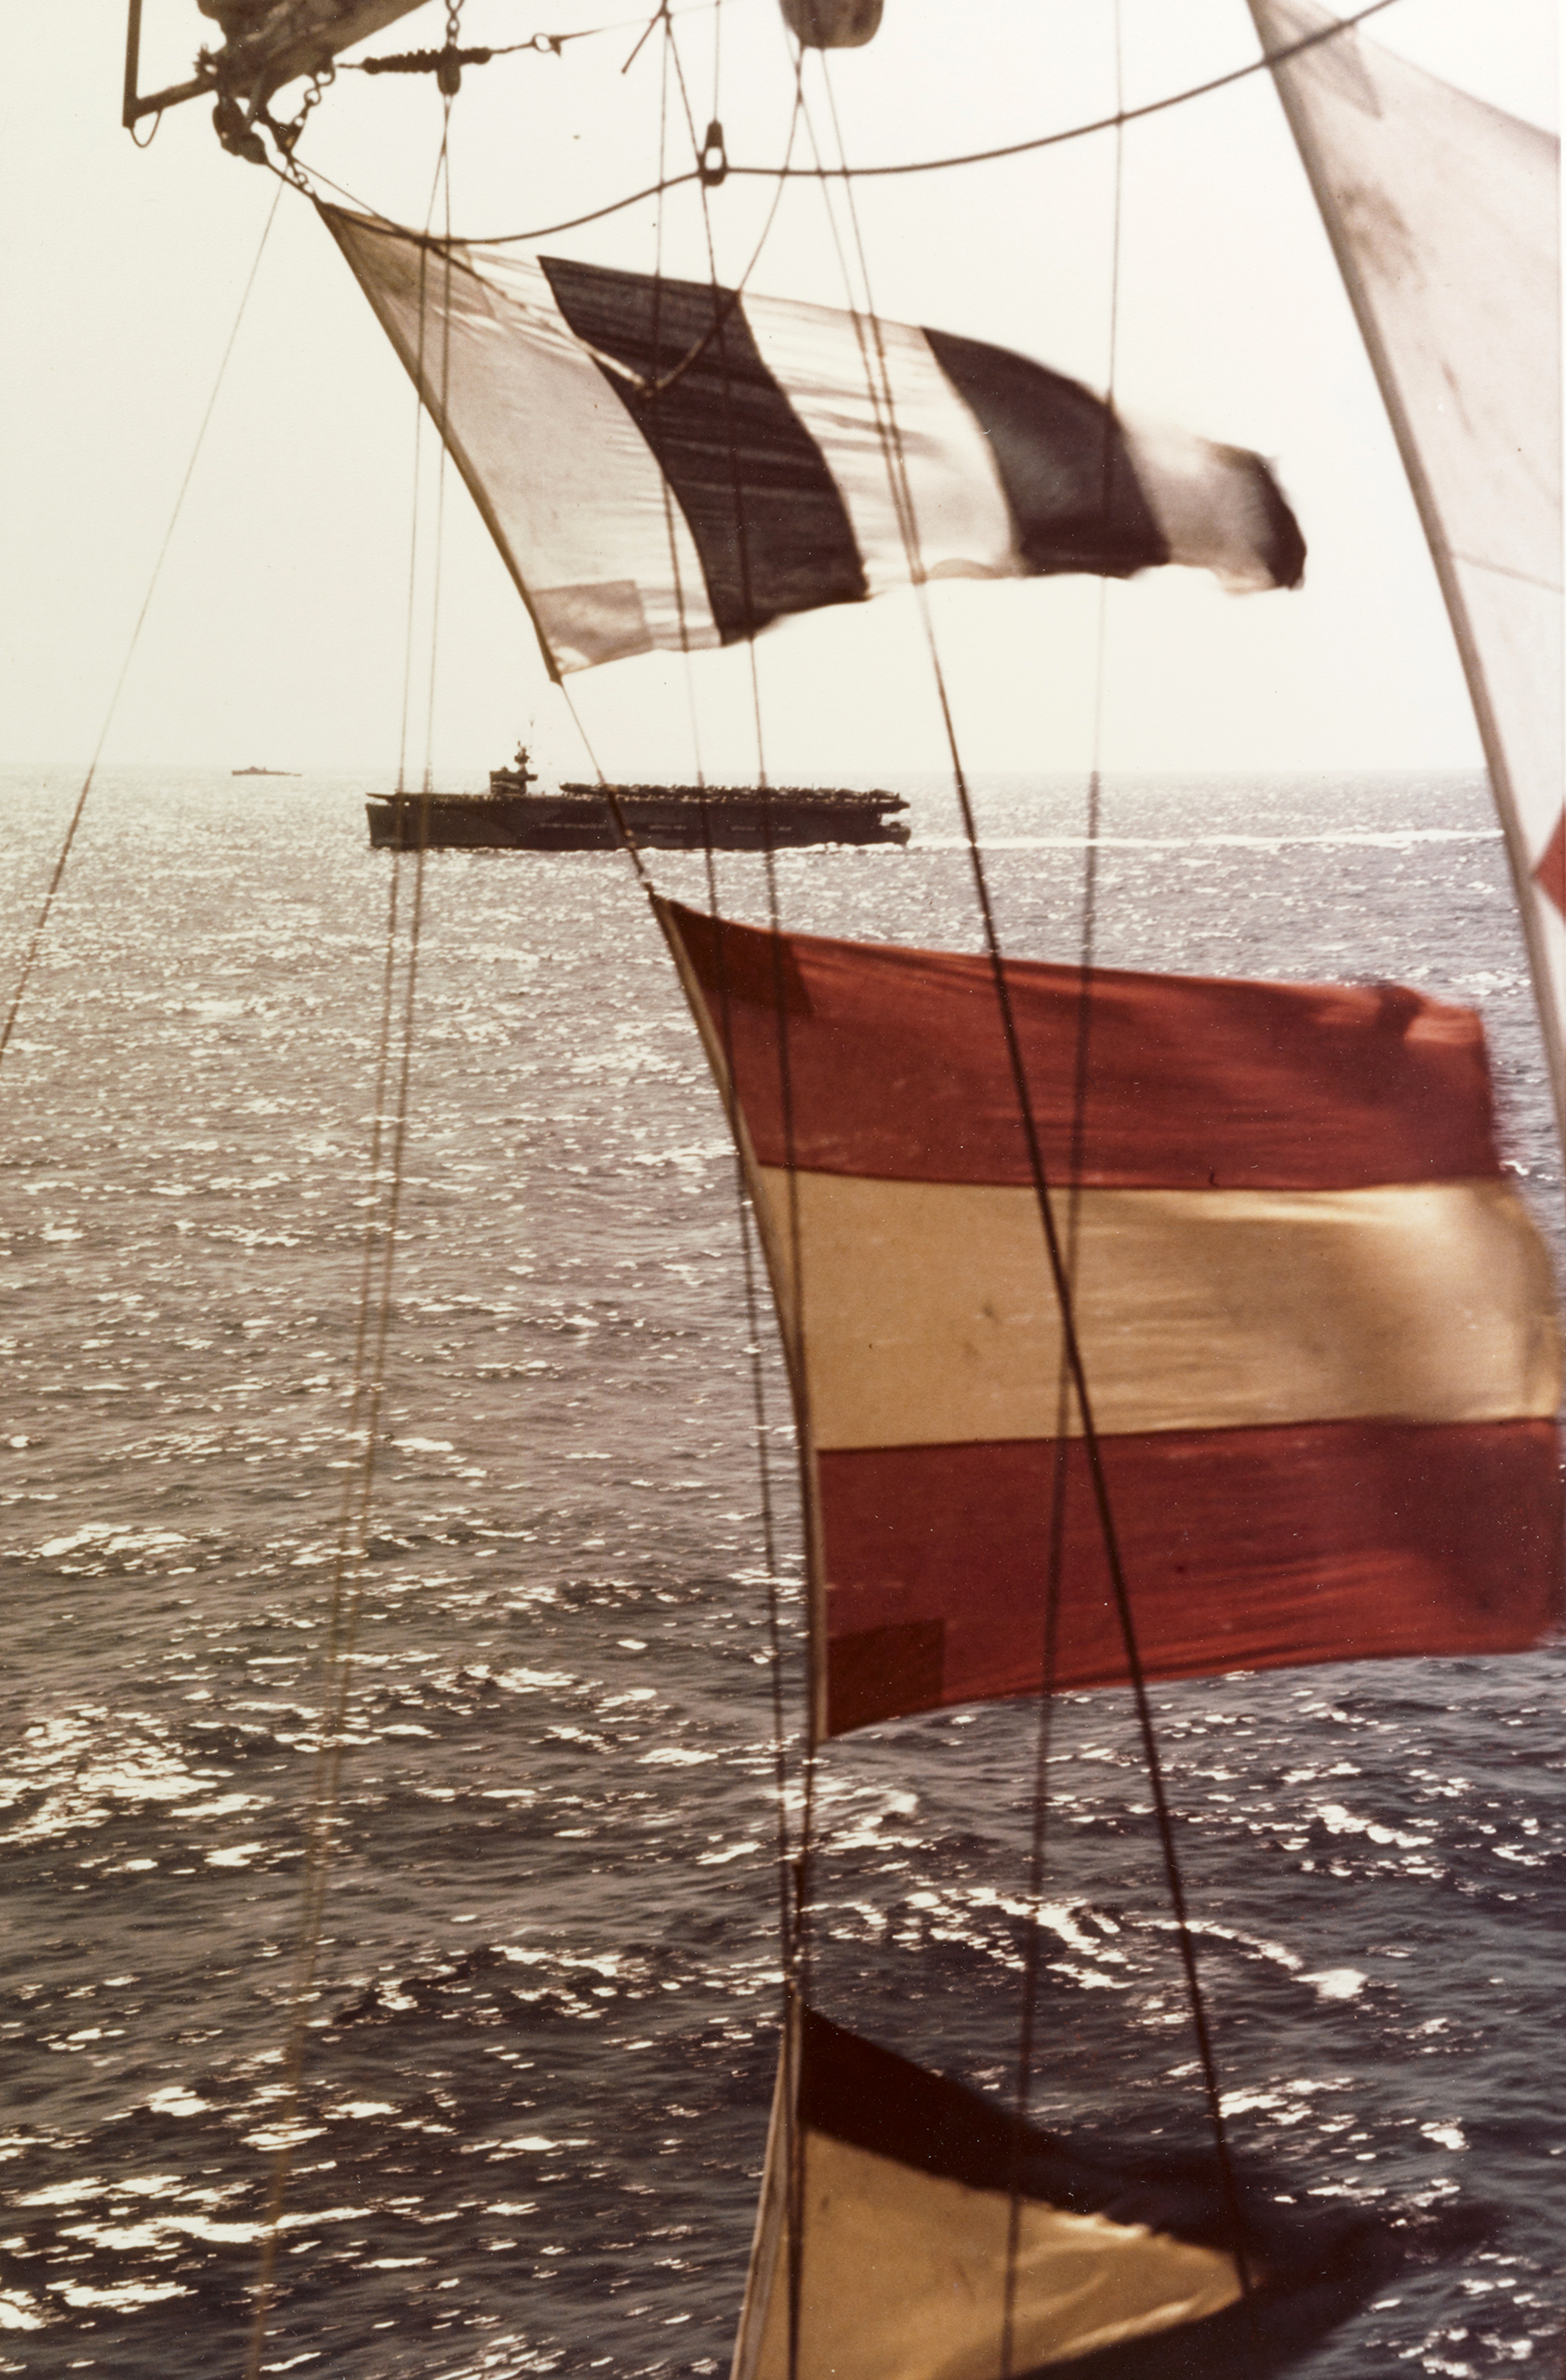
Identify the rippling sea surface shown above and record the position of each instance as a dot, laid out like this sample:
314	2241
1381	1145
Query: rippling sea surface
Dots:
534	2088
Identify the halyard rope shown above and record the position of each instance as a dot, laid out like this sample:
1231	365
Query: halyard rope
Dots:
42	921
371	1342
1054	1247
928	164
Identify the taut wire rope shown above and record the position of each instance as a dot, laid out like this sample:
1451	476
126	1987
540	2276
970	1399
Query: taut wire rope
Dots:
417	451
371	1342
1060	1468
447	97
753	1334
794	1907
362	1431
41	921
669	524
372	1235
722	305
1056	1254
932	165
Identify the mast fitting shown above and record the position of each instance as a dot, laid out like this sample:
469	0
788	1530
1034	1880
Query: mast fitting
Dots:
713	163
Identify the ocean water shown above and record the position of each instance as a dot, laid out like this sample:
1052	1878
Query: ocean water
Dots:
536	2081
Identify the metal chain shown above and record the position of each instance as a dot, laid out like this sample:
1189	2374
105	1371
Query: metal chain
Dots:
287	135
448	74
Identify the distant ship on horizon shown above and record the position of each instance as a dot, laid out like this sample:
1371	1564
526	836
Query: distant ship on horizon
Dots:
514	816
263	773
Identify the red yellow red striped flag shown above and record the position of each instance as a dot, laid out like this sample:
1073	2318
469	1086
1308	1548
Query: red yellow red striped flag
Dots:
1317	1324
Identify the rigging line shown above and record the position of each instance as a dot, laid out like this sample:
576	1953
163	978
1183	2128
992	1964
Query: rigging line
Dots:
1059	1478
1060	1473
348	1565
878	375
718	330
794	1351
797	2142
1072	1342
376	1386
795	1952
752	1309
399	813
347	1609
544	45
1504	570
769	1537
1101	124
866	334
666	491
414	505
344	1607
673	48
731	297
413	535
362	1427
612	795
721	315
672	51
665	488
388	1237
445	416
747	1225
655	391
304	177
642	387
41	922
318	1844
648	30
1093	1445
932	165
795	1944
373	1227
346	1604
769	1545
371	1242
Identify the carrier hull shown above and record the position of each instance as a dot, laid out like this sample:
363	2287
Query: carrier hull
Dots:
579	818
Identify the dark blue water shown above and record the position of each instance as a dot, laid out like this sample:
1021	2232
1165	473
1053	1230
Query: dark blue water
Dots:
533	2145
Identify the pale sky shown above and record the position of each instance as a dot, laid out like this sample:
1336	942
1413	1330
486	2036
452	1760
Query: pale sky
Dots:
278	629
